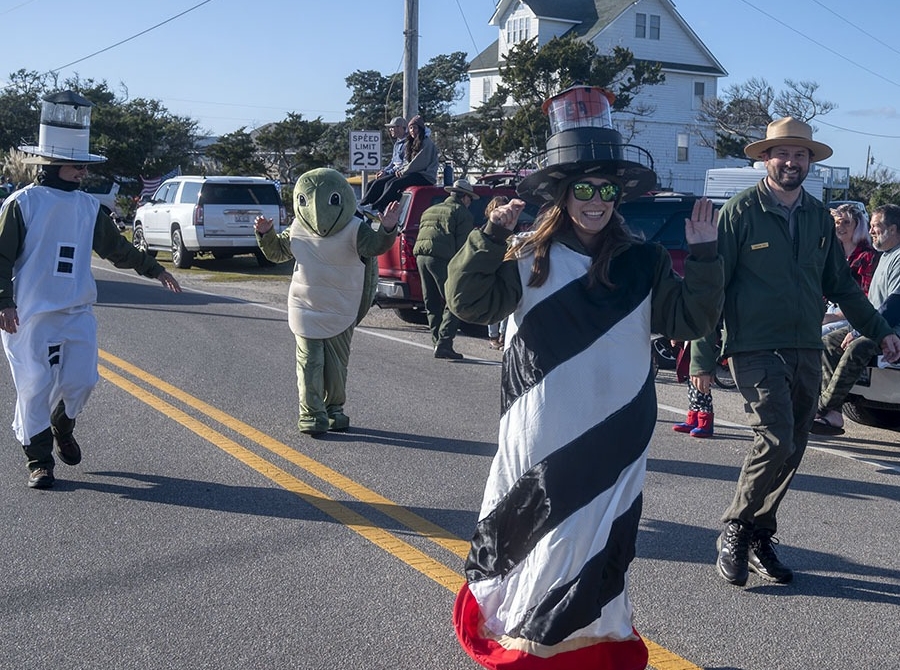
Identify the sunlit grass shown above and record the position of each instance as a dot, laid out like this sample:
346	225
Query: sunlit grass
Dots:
237	269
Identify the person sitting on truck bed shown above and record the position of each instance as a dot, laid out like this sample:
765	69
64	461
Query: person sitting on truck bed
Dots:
420	166
846	351
397	129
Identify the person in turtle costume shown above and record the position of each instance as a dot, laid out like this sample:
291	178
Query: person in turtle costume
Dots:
334	249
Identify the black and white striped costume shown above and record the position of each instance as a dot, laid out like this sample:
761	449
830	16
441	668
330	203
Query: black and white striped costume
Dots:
547	574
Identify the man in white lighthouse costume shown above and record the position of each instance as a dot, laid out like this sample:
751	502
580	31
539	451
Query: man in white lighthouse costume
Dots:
48	231
548	571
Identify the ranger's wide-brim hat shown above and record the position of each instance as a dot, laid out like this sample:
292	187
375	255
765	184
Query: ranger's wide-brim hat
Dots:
64	132
788	131
589	152
463	187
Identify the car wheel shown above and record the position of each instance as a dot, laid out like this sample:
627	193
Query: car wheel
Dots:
181	257
140	242
411	316
261	259
856	410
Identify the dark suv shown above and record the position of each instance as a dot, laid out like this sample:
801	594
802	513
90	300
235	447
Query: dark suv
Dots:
660	218
399	286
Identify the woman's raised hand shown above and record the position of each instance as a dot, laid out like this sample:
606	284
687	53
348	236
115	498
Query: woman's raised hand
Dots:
507	215
703	224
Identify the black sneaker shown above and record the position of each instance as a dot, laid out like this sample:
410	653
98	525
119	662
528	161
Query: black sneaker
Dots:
734	546
62	427
41	478
763	560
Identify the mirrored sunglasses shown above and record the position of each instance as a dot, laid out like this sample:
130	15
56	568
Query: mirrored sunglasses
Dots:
585	190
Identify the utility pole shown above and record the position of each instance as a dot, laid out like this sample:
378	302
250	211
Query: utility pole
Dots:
411	60
868	160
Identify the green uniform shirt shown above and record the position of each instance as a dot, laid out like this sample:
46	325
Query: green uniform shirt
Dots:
775	284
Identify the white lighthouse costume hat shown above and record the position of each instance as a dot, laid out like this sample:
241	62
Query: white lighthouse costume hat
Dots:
584	143
65	131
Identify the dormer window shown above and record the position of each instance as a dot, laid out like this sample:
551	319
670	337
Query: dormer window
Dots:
646	26
518	29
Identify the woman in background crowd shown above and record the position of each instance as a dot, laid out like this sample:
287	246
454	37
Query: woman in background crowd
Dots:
851	227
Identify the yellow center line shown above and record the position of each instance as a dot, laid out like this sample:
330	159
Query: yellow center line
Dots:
411	520
660	658
416	559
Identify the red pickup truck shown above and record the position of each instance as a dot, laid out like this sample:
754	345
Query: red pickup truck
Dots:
399	286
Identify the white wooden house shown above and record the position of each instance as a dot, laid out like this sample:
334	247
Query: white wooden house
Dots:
653	31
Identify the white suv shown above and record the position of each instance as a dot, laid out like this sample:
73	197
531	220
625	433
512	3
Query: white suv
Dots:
191	215
875	399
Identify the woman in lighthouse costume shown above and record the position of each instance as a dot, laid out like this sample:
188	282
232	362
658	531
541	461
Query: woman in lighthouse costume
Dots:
547	574
48	231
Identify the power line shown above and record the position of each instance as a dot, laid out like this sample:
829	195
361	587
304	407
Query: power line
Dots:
819	44
468	30
846	20
128	39
857	132
21	4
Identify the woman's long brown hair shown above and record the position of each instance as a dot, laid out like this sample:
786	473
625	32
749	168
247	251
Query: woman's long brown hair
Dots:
414	144
555	219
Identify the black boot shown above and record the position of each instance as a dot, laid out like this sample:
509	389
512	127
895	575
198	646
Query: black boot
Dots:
763	560
66	447
734	546
444	349
39	452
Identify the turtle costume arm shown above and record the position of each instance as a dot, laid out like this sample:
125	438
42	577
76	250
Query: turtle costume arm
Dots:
276	246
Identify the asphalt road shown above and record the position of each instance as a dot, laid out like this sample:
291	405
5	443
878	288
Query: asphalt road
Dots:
202	530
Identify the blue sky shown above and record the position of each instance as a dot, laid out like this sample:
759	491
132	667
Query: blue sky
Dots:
230	63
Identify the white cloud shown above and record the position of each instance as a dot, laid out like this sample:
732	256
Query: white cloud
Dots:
878	112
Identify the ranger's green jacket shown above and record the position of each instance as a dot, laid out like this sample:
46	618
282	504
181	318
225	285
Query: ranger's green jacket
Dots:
443	229
774	286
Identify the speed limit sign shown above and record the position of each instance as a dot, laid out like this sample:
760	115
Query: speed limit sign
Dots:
365	149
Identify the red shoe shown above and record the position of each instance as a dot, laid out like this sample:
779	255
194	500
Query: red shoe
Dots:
704	425
690	423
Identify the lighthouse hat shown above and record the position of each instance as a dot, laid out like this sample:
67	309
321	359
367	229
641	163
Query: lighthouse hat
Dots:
64	133
584	143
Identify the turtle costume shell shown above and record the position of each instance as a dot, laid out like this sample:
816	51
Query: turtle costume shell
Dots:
332	288
324	204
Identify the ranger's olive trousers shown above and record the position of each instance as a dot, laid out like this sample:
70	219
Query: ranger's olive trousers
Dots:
780	390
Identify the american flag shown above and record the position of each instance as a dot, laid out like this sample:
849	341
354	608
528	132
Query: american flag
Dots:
149	186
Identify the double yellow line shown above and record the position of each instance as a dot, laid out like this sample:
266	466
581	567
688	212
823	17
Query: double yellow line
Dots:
660	658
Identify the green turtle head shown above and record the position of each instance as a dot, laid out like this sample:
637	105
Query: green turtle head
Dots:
324	201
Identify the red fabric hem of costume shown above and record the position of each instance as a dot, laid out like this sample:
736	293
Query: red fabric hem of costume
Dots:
467	620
